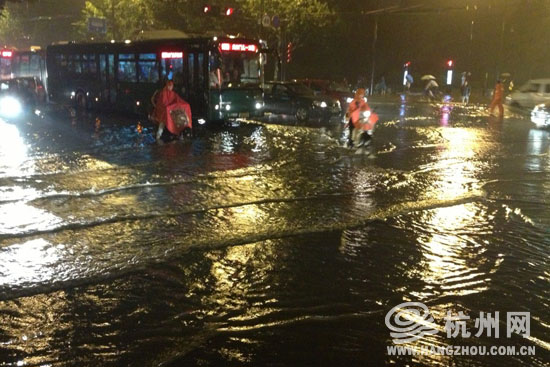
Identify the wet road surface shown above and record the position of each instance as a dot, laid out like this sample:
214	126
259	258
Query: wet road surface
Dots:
266	242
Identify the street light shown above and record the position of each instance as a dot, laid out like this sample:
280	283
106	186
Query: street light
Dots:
450	64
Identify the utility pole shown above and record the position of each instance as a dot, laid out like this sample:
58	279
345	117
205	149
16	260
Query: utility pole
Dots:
115	35
374	39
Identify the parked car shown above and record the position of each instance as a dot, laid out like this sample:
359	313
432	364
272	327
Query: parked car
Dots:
532	93
336	90
540	115
292	98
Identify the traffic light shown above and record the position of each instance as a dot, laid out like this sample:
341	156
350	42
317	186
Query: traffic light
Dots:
289	52
228	11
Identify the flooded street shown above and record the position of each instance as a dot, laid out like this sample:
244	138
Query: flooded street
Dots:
267	242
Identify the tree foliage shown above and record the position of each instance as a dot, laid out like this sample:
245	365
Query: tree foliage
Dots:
125	18
299	19
11	29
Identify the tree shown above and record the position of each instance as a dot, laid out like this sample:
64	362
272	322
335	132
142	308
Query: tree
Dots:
11	29
300	20
186	16
125	18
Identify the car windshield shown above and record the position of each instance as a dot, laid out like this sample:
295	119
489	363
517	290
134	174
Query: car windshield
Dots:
300	89
339	87
530	88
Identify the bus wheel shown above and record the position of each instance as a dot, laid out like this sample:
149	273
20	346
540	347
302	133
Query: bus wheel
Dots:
81	101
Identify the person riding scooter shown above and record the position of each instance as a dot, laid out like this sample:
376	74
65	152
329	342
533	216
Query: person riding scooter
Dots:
355	108
361	120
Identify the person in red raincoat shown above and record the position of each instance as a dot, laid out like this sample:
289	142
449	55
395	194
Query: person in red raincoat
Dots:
497	99
355	108
161	101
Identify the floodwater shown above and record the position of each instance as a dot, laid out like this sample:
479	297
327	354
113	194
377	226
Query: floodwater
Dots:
269	243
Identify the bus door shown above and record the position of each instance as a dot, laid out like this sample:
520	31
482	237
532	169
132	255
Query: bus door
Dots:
107	79
198	77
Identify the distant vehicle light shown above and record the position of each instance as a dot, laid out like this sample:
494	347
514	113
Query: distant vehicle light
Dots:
227	107
10	107
258	105
172	55
217	107
226	46
201	121
349	100
323	104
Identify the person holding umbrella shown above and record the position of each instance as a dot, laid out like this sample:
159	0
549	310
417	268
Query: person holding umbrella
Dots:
431	87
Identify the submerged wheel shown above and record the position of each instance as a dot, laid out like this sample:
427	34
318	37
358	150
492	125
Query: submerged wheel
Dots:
302	114
81	101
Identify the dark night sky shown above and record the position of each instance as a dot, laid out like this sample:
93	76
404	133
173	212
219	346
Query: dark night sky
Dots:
427	36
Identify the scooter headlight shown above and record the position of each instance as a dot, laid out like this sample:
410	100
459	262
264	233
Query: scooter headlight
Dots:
365	114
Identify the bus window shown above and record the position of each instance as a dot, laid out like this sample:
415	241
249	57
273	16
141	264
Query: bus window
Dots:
35	64
172	69
127	71
103	68
92	66
191	63
5	68
148	68
200	70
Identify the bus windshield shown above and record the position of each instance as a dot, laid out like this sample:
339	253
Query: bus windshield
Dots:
239	68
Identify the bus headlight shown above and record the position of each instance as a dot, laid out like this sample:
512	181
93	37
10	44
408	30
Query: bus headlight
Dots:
10	107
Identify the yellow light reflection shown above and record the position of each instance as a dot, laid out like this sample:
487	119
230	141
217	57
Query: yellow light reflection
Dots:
457	165
30	261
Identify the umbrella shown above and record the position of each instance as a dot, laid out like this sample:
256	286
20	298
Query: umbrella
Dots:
428	77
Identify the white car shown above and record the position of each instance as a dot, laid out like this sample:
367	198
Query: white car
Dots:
540	115
531	94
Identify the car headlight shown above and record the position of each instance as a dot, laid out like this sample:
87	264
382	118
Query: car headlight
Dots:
10	107
321	104
365	114
349	100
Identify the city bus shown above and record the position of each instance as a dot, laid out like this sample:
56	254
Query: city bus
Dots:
219	77
22	63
